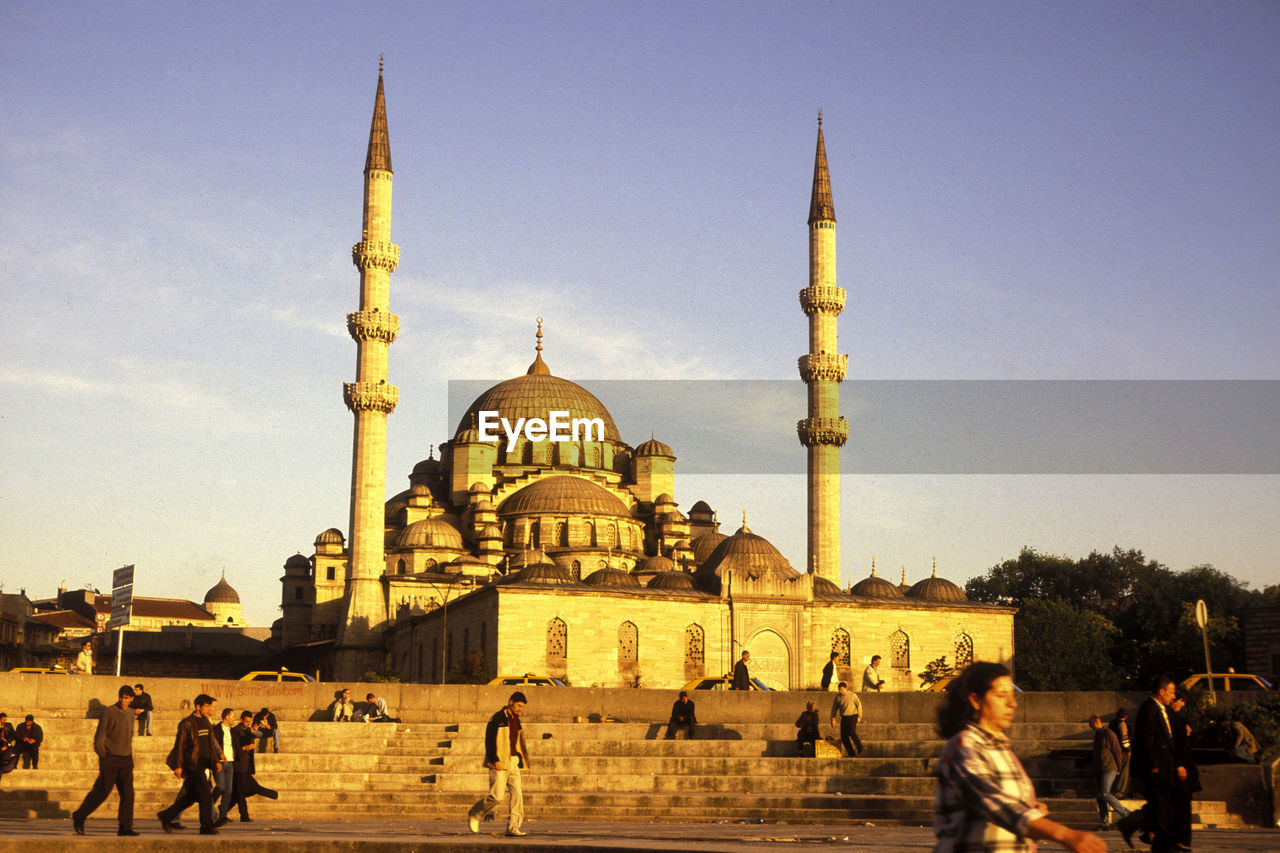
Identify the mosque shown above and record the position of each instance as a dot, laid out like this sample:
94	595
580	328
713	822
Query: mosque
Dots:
571	557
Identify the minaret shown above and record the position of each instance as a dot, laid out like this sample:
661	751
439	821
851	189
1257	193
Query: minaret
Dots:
371	399
824	432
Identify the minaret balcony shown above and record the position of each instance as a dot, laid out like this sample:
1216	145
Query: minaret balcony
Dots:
823	367
815	432
373	326
370	396
824	298
376	254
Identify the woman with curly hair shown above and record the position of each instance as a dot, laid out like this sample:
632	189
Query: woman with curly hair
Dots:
985	800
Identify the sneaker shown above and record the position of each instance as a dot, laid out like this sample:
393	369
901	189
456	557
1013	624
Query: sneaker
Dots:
516	833
473	822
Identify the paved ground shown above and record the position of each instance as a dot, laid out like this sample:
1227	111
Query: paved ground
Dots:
47	836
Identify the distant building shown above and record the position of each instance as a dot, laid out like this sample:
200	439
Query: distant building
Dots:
1261	629
21	632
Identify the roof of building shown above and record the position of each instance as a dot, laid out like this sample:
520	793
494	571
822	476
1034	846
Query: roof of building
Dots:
332	536
743	552
703	545
874	586
653	447
610	576
159	608
563	495
430	533
934	588
672	581
222	593
67	620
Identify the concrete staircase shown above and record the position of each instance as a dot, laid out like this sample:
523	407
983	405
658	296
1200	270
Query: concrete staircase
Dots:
581	770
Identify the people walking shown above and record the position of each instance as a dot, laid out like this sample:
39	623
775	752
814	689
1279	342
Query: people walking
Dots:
741	677
1155	765
1107	758
829	671
194	756
84	660
985	801
29	736
113	744
682	717
1185	786
506	758
846	709
246	782
871	680
1120	725
142	706
224	778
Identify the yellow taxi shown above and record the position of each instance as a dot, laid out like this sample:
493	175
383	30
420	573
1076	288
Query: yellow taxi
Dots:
529	680
41	670
275	675
721	682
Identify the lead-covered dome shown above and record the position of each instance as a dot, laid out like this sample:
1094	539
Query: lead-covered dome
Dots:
705	544
934	588
332	536
612	577
746	553
673	581
874	586
430	533
653	447
564	495
548	574
222	593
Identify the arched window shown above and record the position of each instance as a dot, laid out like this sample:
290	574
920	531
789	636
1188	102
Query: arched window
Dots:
557	645
535	534
694	646
628	644
400	567
840	646
595	457
576	570
591	533
964	650
526	453
562	534
899	650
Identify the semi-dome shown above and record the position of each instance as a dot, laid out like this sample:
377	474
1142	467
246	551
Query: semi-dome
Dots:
542	573
612	577
653	447
332	536
703	545
934	588
222	593
563	495
430	533
673	580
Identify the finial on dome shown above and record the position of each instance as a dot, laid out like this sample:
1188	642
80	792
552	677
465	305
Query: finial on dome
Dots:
539	366
935	567
380	74
819	108
431	454
904	573
873	566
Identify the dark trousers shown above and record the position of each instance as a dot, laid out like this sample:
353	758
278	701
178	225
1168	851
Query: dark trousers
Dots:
114	771
30	757
674	725
195	789
1158	814
849	734
246	785
1182	813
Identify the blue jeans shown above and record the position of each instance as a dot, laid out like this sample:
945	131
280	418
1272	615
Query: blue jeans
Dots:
224	779
274	734
1106	798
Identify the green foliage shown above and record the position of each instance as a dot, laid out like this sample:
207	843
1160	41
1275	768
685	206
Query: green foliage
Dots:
934	671
385	674
1126	618
1263	719
471	670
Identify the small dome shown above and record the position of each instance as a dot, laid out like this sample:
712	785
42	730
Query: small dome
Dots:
656	565
297	561
222	593
664	498
875	586
612	577
427	466
332	536
491	531
653	447
701	508
673	580
430	533
825	589
705	544
543	573
564	495
478	488
483	505
420	489
747	553
937	589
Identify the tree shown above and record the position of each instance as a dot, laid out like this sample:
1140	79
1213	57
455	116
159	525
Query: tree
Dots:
1060	647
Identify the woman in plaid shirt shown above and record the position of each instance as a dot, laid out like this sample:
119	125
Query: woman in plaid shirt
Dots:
985	800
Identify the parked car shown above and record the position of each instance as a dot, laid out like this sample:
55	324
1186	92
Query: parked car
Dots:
1226	682
275	675
41	670
529	680
721	682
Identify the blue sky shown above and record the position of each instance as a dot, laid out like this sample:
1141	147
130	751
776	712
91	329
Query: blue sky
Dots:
1024	191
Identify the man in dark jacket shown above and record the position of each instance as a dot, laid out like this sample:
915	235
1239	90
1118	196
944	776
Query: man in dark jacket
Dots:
807	727
682	717
193	755
1185	786
1120	725
742	678
1107	758
29	736
245	784
113	742
266	727
505	756
1156	768
142	707
829	671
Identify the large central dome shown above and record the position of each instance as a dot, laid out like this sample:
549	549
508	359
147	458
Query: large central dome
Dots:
536	395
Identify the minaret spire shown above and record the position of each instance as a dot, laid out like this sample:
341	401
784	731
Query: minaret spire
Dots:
824	431
370	398
538	366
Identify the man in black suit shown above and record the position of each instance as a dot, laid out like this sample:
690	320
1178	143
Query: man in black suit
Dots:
1155	765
